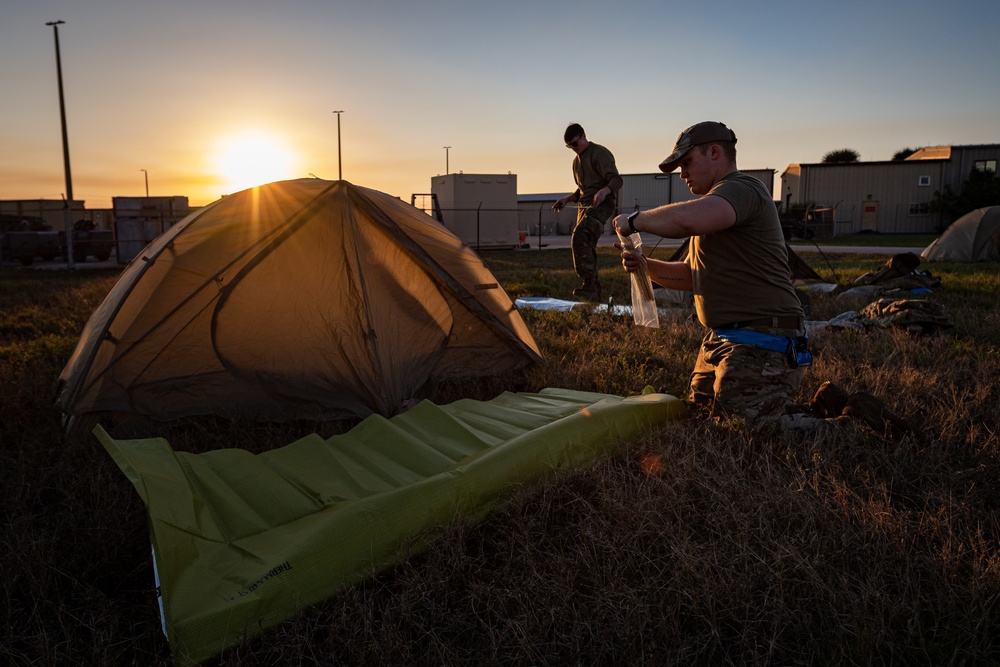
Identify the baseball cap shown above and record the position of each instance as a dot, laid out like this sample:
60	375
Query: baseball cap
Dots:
705	132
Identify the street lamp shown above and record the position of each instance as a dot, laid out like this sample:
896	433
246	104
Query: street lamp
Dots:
340	171
446	160
146	174
65	139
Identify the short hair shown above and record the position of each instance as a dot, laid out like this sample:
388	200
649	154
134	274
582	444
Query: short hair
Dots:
573	130
728	149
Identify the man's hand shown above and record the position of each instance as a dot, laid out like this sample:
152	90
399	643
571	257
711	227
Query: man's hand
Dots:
621	225
601	195
560	203
631	261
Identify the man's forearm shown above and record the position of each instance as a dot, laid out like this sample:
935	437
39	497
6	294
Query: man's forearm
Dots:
668	221
675	275
689	218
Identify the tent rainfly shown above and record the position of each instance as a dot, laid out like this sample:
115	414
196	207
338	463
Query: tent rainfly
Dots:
302	299
975	237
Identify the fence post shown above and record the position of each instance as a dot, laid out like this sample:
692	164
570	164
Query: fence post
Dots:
477	225
540	207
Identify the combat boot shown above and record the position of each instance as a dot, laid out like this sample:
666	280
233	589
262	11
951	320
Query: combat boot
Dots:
829	401
873	412
588	291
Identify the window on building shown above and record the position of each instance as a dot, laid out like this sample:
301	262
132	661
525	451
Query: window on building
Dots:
923	208
986	165
924	181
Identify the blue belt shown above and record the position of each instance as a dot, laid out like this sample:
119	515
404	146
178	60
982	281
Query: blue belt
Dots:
796	349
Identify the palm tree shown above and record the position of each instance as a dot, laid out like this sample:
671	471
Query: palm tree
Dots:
842	155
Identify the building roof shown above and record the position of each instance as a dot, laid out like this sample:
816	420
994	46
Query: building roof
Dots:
931	153
926	154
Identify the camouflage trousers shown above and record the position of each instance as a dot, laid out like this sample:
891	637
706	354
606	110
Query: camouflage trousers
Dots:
589	226
735	380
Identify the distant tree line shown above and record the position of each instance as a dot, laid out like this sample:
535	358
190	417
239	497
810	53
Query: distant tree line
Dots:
850	155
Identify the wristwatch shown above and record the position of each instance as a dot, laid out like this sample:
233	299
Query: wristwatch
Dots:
631	221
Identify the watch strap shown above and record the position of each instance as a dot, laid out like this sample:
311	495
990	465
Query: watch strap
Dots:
631	224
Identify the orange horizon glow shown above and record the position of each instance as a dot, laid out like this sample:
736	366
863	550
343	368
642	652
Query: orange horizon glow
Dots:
251	158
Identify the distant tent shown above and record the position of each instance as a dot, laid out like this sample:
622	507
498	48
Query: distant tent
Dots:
975	237
304	299
800	270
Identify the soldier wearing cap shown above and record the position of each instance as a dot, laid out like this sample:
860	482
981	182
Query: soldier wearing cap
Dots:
597	185
750	361
737	268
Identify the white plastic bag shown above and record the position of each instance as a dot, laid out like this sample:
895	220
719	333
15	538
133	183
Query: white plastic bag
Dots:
644	311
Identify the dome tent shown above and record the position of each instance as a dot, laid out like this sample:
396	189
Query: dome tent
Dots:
303	299
974	237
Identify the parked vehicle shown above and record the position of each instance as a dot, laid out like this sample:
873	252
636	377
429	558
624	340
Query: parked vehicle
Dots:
24	239
88	241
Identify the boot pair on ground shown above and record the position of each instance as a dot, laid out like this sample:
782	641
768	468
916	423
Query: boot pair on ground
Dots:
831	402
588	291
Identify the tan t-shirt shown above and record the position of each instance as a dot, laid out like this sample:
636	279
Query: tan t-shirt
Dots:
741	273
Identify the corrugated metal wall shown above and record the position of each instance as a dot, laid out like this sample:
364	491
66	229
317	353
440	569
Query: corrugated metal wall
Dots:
888	197
481	209
892	197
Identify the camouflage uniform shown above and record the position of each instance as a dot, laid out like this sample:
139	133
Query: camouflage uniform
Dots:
587	232
742	380
593	169
741	280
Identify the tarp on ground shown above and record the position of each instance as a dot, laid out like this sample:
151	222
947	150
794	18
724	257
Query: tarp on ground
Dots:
243	541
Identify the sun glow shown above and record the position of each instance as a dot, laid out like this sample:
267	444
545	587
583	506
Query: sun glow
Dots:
252	159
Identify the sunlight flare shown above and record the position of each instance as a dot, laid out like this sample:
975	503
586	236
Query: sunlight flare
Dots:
253	158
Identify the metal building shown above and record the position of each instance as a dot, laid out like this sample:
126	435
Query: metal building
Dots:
53	212
891	197
481	209
139	220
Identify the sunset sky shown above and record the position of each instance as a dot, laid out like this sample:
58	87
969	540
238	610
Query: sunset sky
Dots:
212	96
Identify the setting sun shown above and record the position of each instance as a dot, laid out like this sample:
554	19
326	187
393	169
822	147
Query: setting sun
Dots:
246	160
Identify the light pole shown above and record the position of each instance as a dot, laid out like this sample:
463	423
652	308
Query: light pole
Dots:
446	160
146	174
65	140
340	171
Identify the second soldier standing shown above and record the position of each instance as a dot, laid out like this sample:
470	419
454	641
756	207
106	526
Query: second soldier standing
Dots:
596	194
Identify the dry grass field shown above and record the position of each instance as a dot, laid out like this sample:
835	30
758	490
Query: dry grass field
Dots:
698	544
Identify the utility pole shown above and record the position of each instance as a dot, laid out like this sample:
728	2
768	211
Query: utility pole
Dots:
446	172
65	140
146	174
340	171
